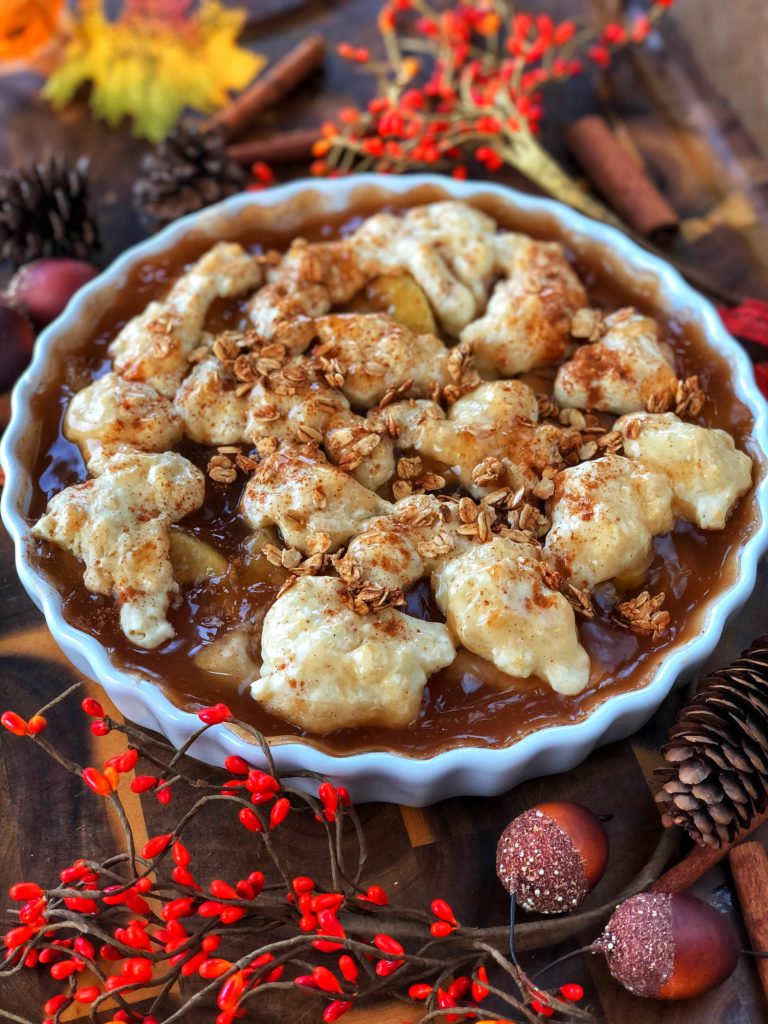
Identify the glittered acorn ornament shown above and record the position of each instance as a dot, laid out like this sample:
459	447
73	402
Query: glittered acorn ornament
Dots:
551	856
665	945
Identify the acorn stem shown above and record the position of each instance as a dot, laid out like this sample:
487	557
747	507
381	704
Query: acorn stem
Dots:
512	916
562	959
759	953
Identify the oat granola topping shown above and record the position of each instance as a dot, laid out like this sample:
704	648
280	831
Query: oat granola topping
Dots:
643	615
430	398
222	469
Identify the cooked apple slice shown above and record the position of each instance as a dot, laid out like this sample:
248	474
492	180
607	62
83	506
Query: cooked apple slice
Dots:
255	567
229	656
192	559
398	294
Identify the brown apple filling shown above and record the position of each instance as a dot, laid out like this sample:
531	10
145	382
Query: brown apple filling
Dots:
459	707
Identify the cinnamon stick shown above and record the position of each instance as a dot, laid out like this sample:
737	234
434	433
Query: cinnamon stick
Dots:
700	860
613	172
281	148
749	865
269	89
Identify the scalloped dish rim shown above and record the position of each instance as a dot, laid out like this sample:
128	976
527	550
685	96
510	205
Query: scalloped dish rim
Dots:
385	775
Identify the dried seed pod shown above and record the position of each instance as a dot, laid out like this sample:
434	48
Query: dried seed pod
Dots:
551	856
665	945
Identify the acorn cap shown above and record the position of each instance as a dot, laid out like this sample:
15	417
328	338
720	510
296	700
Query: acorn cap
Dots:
536	860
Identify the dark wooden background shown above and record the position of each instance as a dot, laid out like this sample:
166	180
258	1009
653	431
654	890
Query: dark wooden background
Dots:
690	139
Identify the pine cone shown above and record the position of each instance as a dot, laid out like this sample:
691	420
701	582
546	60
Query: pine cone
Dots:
44	212
188	170
718	750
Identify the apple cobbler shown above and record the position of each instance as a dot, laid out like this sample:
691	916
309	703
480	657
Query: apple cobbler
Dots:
417	448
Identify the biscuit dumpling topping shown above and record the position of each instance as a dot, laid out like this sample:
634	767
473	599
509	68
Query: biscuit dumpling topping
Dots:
446	247
311	502
376	353
116	411
527	320
497	605
155	345
119	524
620	373
212	411
491	438
397	549
324	667
604	516
404	420
705	469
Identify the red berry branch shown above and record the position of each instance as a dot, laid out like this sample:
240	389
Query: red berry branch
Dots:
465	82
145	918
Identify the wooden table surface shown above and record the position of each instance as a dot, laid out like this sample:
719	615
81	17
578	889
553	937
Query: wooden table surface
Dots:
690	140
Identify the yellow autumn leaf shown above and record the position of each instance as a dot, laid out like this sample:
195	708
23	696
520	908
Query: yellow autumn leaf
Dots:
151	70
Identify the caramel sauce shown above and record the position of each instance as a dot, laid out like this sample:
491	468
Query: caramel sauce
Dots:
459	707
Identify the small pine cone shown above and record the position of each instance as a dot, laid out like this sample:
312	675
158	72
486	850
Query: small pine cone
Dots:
717	782
188	170
44	211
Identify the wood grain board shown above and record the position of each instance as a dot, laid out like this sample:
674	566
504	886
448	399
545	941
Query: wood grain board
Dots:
691	142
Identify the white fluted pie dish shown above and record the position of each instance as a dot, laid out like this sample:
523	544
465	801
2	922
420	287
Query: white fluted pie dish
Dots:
382	774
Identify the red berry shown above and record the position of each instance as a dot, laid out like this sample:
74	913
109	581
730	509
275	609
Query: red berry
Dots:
348	968
14	723
223	890
443	910
54	1004
420	991
459	988
215	715
303	884
441	929
36	725
98	782
388	945
326	980
214	968
128	761
542	1008
572	992
336	1009
181	855
230	991
479	989
19	936
23	891
376	895
236	765
249	820
155	846
89	994
92	707
279	812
